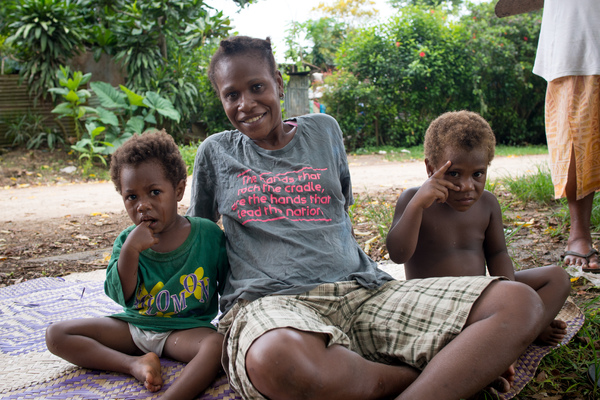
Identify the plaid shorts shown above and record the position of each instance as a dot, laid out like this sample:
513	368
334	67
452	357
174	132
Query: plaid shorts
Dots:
407	321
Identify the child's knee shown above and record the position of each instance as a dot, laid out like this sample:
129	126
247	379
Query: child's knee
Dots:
560	279
54	335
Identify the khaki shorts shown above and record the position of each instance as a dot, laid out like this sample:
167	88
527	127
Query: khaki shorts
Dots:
407	321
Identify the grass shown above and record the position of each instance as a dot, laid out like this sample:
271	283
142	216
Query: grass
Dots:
416	152
377	211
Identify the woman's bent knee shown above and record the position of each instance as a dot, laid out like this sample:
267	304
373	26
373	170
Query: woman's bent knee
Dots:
283	357
515	301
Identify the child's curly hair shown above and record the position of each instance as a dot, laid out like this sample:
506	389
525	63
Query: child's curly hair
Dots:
156	146
458	130
242	45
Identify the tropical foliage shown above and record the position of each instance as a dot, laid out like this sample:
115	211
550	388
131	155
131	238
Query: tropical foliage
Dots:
156	43
45	34
121	114
393	79
386	78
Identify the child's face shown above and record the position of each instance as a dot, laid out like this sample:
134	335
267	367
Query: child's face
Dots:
468	171
149	196
250	96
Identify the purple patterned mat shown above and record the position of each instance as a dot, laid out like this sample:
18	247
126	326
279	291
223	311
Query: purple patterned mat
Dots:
28	308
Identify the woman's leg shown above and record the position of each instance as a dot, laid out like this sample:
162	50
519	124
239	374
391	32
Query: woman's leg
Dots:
286	363
290	364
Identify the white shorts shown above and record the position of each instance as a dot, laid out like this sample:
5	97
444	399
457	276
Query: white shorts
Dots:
149	341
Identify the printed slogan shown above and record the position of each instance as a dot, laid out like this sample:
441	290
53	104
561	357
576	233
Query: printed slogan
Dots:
294	195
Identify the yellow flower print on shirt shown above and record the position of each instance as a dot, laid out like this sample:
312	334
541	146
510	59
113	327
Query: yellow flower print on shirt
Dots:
196	284
160	300
147	300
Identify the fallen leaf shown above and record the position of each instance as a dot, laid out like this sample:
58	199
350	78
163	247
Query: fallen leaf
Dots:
541	377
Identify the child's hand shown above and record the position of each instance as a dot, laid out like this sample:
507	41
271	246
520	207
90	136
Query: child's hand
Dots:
142	237
435	188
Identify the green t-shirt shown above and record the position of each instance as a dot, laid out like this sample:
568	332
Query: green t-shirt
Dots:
178	289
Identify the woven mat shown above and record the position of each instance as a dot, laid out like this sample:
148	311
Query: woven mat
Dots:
29	371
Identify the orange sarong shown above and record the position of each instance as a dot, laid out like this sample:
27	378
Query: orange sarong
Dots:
573	124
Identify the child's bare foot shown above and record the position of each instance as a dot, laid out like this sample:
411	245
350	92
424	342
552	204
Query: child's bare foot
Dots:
147	370
553	334
504	382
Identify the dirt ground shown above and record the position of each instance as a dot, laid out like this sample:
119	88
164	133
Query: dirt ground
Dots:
52	224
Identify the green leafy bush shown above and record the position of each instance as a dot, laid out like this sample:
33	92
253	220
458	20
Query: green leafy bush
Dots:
75	97
507	92
45	34
413	67
395	78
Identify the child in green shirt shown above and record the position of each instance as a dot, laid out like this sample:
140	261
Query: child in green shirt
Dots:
166	271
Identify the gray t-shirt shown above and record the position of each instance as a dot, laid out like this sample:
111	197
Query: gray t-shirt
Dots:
284	211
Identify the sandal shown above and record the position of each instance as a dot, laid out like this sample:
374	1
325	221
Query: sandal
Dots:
586	257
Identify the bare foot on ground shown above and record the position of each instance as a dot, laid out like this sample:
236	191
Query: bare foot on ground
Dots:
553	334
146	369
584	256
504	382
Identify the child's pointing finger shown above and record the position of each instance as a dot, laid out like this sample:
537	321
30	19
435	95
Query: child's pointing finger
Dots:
440	172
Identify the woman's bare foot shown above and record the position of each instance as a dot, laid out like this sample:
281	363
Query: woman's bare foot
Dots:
146	369
553	334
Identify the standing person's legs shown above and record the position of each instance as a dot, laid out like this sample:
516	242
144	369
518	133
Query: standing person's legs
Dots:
580	211
573	133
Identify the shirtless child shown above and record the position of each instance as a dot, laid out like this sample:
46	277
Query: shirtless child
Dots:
451	226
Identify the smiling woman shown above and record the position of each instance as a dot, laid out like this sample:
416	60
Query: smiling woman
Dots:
250	89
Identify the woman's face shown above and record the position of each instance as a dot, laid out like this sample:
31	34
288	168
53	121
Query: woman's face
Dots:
250	95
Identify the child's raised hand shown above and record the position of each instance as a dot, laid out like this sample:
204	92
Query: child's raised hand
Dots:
435	188
142	237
